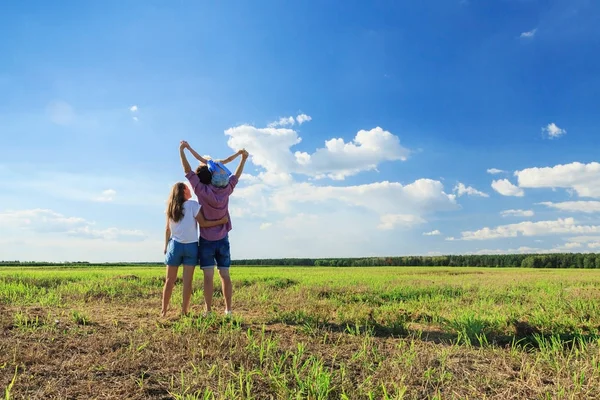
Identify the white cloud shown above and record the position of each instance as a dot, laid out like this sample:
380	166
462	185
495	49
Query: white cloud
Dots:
584	239
133	108
506	188
290	121
575	206
529	34
391	221
106	196
528	228
270	148
266	225
553	131
136	119
420	197
517	213
591	242
494	171
461	190
47	221
60	113
302	118
519	250
283	121
584	179
432	233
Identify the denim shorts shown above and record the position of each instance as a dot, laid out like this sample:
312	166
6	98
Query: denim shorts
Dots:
181	253
214	252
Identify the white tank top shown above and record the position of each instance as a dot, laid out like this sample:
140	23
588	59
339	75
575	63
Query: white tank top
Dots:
186	230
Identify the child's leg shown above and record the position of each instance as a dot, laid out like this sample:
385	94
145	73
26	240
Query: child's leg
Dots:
207	263
209	274
227	287
223	258
168	288
188	278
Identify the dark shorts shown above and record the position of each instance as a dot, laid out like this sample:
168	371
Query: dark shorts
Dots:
181	253
214	252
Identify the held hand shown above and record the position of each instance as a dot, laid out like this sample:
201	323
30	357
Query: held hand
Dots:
183	145
224	220
244	154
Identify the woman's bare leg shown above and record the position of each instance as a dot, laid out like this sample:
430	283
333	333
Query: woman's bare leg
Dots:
188	277
168	288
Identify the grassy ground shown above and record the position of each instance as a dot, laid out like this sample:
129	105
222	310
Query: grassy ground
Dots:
317	333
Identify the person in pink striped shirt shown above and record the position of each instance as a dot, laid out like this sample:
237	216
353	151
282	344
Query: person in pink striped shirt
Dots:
214	246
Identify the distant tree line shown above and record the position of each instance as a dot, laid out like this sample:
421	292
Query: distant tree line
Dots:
17	263
559	260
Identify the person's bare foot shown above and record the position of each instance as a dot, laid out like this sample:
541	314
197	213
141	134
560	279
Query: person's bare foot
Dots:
163	314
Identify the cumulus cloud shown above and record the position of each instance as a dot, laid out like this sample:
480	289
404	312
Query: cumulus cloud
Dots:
495	171
106	196
584	179
283	121
506	188
420	197
290	121
591	242
48	221
517	213
574	206
519	250
302	118
460	189
553	131
528	228
432	233
270	148
529	34
367	202
391	221
133	108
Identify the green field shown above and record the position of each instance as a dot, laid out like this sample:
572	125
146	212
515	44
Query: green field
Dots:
316	333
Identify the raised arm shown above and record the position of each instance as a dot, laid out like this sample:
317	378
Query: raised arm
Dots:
231	158
196	155
204	223
184	162
240	168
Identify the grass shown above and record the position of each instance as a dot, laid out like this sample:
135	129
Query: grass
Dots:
298	333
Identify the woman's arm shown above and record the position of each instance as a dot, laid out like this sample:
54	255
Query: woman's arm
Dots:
184	162
167	235
204	223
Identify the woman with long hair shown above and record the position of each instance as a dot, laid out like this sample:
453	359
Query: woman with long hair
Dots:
181	242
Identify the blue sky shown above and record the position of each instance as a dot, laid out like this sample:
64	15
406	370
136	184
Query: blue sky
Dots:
423	98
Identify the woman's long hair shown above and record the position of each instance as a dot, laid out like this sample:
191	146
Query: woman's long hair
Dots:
176	200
